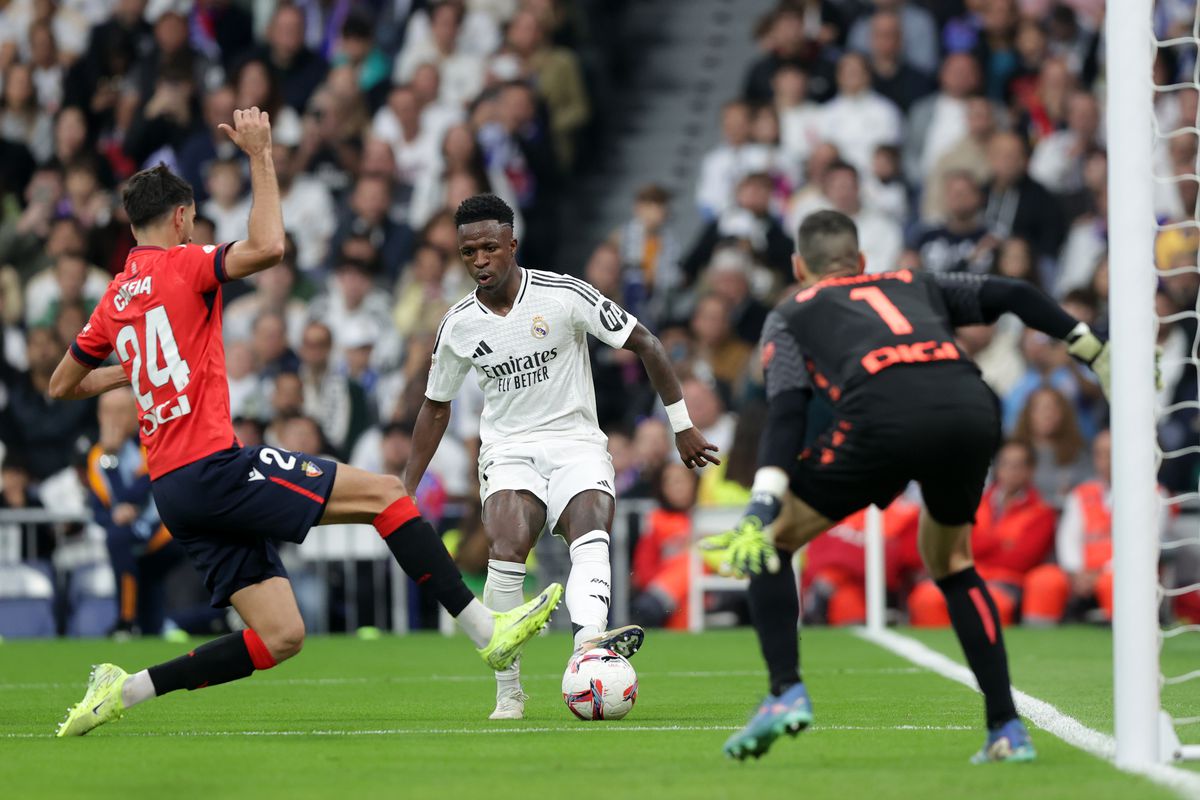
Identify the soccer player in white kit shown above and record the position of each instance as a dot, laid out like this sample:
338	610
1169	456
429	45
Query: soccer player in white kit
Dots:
543	460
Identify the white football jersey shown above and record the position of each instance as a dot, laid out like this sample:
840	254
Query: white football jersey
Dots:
532	363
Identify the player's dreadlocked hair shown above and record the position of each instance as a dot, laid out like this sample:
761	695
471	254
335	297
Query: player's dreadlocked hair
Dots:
483	207
153	193
826	241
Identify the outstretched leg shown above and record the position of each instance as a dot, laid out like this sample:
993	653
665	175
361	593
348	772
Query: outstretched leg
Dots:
275	634
946	550
381	500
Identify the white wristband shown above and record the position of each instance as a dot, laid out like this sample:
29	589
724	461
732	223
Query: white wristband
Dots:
677	413
770	480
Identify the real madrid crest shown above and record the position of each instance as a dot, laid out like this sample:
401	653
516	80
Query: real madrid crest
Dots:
540	327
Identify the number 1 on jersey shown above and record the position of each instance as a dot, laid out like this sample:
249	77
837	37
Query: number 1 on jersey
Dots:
885	308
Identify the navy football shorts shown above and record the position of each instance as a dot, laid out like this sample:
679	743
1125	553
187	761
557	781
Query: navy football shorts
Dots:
226	509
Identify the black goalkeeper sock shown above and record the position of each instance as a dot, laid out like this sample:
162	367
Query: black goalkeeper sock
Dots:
977	624
421	554
229	658
775	612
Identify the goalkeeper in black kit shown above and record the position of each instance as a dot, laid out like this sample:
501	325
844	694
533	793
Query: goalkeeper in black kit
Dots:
908	405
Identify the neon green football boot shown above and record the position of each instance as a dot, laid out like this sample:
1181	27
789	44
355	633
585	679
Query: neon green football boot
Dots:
515	628
102	702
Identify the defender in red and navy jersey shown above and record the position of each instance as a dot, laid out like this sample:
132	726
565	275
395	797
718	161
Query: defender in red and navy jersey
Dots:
224	503
162	316
908	406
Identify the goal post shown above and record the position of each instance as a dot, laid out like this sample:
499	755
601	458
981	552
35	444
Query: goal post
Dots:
1131	225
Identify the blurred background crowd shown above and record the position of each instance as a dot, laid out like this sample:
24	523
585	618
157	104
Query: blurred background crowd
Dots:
961	135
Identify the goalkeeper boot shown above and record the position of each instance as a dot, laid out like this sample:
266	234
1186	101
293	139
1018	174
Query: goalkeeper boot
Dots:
102	703
790	713
1010	742
624	641
516	627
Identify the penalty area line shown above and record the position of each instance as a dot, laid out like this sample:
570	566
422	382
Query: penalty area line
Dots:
1042	714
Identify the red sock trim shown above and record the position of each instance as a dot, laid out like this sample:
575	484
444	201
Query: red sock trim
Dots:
260	656
985	613
397	514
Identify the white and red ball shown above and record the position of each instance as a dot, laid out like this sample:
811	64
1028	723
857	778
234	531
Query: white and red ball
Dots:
599	684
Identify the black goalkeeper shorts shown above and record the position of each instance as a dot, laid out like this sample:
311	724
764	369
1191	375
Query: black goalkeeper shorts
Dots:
937	424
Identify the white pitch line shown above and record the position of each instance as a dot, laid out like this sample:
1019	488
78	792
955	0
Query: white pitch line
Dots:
1046	716
336	681
499	731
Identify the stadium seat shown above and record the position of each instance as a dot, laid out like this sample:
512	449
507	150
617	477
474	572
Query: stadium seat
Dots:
26	601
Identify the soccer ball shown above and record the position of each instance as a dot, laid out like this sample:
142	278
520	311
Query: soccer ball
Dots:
599	684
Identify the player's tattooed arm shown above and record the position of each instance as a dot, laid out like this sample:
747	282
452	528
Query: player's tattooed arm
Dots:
694	449
73	381
432	420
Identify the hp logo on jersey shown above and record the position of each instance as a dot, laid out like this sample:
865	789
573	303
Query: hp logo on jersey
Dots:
540	327
612	316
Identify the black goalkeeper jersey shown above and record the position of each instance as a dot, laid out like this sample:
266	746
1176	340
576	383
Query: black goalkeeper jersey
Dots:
835	335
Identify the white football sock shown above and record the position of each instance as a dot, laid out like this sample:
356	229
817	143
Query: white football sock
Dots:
589	585
476	621
504	591
137	689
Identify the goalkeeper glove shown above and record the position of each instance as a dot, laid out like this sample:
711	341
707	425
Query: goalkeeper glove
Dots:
748	548
1085	346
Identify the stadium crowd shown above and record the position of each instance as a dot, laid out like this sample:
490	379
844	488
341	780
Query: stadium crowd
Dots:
961	136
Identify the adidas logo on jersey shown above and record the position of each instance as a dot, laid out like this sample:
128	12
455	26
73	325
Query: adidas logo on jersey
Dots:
482	350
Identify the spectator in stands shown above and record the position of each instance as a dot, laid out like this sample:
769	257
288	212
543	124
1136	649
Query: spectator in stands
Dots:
961	243
880	236
274	290
857	120
206	143
356	49
353	295
893	75
1016	204
652	449
1058	158
716	344
883	188
1042	108
1082	578
366	216
255	84
69	282
661	561
724	166
938	122
164	124
650	256
272	355
300	70
401	125
556	73
771	157
790	40
708	410
750	222
308	210
1087	243
995	46
22	119
41	430
227	205
1049	425
1013	534
140	549
917	24
799	115
339	403
728	276
968	154
461	70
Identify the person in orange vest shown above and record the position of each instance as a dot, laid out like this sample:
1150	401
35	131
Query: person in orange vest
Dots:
1082	579
1013	534
834	579
660	559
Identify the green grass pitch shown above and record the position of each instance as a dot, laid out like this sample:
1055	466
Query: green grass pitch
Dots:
406	717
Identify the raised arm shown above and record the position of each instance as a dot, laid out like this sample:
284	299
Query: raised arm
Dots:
432	420
981	299
694	449
263	247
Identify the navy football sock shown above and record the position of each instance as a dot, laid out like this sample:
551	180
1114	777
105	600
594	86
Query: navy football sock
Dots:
229	658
